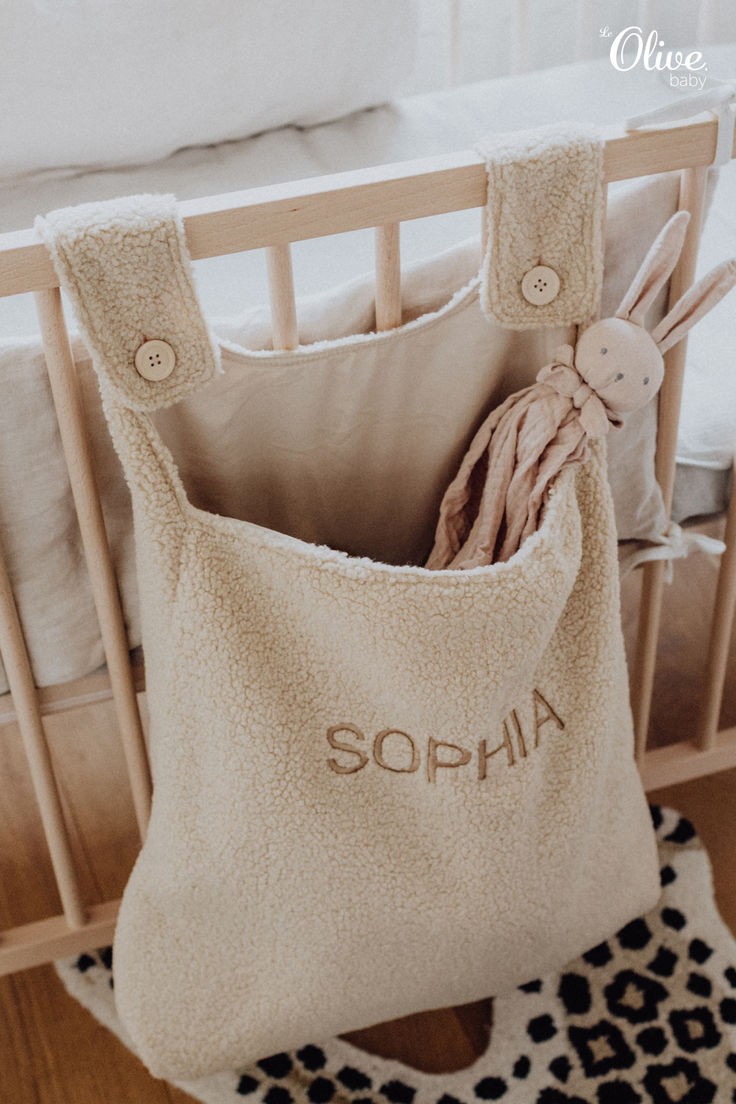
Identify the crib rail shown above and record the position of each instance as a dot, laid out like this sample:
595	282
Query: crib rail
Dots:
272	218
363	198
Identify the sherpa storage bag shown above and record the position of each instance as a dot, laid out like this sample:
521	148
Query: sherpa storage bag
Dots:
378	789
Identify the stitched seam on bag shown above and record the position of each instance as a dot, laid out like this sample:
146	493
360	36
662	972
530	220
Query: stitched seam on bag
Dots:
184	276
462	299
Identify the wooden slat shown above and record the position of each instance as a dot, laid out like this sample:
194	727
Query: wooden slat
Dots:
388	276
298	210
18	670
692	197
483	232
70	695
44	940
65	392
666	766
91	775
281	295
721	633
692	193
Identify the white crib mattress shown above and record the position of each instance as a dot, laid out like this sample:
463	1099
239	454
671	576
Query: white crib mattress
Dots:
416	127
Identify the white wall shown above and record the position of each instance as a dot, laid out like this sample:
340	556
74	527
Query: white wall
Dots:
485	36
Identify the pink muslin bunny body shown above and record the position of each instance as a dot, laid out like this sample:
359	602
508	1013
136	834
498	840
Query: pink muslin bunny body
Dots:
494	502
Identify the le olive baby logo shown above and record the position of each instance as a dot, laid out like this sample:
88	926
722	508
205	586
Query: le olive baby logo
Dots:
631	49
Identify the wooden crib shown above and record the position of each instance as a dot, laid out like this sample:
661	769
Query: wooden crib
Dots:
271	218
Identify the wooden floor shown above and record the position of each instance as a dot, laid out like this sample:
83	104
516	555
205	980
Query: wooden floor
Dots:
53	1052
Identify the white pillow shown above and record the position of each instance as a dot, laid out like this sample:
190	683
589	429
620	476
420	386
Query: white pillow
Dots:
105	82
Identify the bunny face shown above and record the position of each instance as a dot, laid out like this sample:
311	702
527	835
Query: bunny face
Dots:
616	366
620	362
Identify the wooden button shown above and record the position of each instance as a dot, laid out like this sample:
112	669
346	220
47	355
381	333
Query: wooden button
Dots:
540	285
155	360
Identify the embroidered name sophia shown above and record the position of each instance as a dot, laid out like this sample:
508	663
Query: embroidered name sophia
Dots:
394	750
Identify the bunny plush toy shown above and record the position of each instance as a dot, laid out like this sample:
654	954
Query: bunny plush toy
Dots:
616	361
616	367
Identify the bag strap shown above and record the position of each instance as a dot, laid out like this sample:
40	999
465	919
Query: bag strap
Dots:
544	262
125	266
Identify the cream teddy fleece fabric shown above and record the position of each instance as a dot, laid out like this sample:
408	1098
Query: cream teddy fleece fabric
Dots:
545	207
378	789
648	1016
144	289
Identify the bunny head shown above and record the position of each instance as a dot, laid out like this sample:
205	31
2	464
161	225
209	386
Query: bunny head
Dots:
616	357
621	363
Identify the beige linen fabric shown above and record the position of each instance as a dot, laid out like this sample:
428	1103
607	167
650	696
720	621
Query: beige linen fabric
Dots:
377	788
545	207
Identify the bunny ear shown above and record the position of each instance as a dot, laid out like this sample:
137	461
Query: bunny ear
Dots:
696	302
655	269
